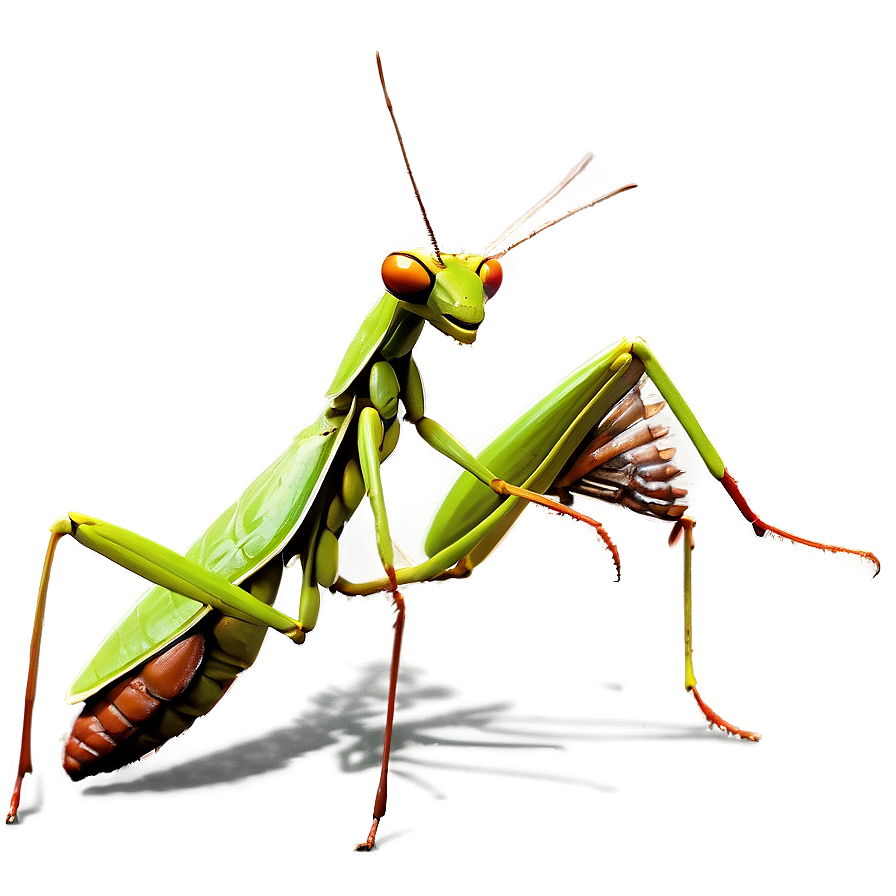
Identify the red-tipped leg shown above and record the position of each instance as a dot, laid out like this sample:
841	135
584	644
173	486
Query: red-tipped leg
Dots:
505	488
760	527
379	804
58	530
685	526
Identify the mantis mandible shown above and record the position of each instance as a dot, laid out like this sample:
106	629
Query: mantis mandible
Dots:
203	620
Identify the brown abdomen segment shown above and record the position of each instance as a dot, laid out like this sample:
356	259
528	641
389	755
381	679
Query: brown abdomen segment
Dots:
100	735
146	707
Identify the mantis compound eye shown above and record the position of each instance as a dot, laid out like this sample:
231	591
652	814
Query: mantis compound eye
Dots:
407	278
491	275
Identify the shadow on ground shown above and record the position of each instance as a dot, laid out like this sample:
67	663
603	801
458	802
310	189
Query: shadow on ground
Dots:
352	719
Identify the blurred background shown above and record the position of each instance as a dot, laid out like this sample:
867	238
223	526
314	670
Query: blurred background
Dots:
195	200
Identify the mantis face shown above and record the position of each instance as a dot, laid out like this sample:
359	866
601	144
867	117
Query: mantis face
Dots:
449	291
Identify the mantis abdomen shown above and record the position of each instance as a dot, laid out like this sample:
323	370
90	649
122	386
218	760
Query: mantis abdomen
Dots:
141	710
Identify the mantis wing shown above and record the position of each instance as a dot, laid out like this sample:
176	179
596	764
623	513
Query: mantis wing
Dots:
240	541
535	449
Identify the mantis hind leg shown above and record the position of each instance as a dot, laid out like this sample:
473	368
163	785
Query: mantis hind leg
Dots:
685	527
57	531
714	462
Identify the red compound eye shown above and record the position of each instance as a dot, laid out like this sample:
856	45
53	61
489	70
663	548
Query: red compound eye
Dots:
407	278
491	275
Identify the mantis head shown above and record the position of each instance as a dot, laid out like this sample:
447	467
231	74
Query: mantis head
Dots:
449	291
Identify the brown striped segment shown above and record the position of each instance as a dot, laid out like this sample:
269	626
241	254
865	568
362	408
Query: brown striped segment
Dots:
163	698
116	713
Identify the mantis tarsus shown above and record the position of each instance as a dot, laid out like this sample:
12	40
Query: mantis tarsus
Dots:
204	619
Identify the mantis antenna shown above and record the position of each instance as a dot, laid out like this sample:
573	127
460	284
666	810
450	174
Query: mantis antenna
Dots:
577	169
407	164
569	214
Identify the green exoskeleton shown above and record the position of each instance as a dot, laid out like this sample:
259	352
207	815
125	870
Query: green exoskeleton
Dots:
203	620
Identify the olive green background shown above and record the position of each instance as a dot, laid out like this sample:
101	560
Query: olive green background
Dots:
195	200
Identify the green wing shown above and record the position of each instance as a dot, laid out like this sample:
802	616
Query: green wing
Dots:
531	450
241	540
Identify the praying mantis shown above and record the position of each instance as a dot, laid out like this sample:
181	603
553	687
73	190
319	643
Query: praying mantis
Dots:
203	620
